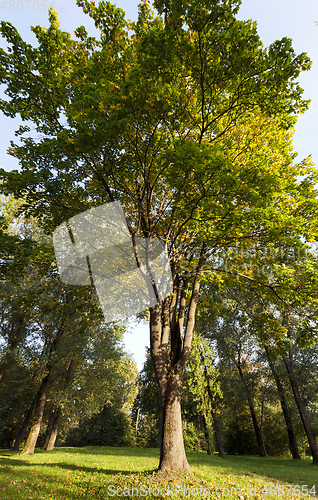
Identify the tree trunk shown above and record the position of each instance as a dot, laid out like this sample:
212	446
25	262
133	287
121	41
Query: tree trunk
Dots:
301	407
30	443
288	421
167	320
208	435
24	425
172	453
137	423
257	429
217	431
52	430
49	428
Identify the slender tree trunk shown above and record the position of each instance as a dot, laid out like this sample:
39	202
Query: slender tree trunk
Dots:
301	407
137	423
53	429
288	421
30	443
208	435
257	429
217	431
49	427
237	428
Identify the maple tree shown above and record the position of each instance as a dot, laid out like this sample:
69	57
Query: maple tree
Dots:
183	117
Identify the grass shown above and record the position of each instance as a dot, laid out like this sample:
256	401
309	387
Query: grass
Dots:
97	472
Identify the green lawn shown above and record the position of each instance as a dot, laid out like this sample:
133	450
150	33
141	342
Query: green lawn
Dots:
95	472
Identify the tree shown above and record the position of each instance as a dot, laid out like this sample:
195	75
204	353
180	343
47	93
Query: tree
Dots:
110	427
17	277
201	380
266	306
146	408
293	446
153	115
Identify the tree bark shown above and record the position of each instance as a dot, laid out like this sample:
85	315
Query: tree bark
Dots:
137	423
169	364
49	427
24	425
257	429
56	412
208	435
52	429
30	443
292	441
301	407
172	452
217	431
173	455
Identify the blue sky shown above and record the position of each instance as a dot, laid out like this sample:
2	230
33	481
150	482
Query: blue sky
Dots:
276	19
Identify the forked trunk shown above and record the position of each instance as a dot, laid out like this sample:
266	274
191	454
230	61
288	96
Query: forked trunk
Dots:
49	428
56	413
169	361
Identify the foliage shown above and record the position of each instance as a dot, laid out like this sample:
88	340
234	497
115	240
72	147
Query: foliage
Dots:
147	406
50	329
192	437
110	427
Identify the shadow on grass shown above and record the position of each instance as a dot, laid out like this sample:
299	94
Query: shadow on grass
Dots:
108	450
60	465
83	468
282	469
10	460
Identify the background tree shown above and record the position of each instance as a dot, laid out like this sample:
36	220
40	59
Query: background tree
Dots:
260	303
61	349
201	383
